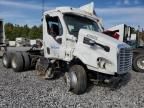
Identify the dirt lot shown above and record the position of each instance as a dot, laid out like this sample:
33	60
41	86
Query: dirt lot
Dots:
26	90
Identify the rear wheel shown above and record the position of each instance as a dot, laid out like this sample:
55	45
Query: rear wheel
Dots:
26	60
17	62
6	59
76	79
138	63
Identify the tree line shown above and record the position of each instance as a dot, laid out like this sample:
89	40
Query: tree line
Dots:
12	31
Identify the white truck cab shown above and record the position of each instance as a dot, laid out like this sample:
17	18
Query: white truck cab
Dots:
78	36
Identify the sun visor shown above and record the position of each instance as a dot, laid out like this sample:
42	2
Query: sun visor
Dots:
89	8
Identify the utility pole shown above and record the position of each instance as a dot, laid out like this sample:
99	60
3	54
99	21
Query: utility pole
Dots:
43	6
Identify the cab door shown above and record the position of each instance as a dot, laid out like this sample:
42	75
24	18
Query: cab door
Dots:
53	37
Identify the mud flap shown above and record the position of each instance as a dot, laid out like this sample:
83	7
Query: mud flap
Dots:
115	81
42	66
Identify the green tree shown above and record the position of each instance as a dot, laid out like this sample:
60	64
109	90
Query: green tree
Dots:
25	31
35	32
8	30
14	31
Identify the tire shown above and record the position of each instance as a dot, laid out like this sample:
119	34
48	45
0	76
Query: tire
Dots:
76	79
6	59
26	59
138	63
17	62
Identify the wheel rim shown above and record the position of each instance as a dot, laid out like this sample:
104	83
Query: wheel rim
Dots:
4	60
67	80
74	79
14	65
140	63
71	80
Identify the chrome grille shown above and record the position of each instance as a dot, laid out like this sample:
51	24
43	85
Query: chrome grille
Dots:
125	60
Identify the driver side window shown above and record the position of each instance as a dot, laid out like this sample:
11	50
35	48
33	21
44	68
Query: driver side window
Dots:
54	28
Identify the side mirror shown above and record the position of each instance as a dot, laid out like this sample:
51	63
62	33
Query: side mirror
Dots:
41	19
59	39
71	38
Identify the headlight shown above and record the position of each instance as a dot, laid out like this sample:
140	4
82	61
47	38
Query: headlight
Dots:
104	63
108	66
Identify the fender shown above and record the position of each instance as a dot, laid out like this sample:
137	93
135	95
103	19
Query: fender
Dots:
81	58
138	50
84	60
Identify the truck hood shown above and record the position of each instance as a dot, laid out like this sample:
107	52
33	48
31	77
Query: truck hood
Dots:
92	54
101	38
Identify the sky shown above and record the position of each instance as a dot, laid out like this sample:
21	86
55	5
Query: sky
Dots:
113	12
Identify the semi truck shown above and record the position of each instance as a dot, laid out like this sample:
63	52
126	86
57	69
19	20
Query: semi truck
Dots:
2	37
132	37
6	46
2	32
73	42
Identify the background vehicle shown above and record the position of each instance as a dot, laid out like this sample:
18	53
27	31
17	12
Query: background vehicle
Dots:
135	39
2	37
2	32
73	42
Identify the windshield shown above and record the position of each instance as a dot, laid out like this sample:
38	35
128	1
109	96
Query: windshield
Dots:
75	23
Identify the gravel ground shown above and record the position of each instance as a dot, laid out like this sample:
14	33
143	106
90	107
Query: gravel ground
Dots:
26	90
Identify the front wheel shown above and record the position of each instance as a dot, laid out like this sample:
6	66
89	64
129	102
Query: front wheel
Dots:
76	79
138	63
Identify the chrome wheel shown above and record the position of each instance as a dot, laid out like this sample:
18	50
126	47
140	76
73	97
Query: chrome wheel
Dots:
71	80
4	60
140	63
76	79
67	80
14	65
